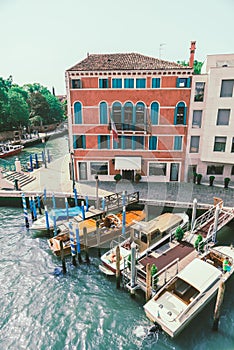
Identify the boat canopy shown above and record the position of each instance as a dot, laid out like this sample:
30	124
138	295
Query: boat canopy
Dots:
200	274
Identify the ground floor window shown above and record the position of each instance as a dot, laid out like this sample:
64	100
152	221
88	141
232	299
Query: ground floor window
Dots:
157	169
99	168
214	170
174	174
232	173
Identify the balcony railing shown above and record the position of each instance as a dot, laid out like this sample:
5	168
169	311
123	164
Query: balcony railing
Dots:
132	128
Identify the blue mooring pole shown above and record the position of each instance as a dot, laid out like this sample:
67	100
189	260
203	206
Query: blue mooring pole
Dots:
31	162
44	195
47	218
124	221
54	223
25	210
34	209
36	159
87	203
83	210
39	204
78	244
31	208
75	197
72	243
54	202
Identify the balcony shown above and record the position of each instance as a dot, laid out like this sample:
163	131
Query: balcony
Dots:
132	128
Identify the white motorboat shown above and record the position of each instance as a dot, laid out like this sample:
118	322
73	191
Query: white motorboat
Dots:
185	295
147	236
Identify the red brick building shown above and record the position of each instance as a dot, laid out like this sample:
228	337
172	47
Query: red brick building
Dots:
145	99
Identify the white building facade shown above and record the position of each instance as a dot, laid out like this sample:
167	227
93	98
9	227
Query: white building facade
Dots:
210	146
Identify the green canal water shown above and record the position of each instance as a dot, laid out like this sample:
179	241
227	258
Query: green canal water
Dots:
41	310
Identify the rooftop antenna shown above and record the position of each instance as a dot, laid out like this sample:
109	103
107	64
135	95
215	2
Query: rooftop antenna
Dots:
160	49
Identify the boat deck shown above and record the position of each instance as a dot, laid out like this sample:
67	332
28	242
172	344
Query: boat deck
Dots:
180	251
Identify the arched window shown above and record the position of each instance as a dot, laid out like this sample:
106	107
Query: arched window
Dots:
78	113
180	114
117	115
154	113
140	116
128	116
103	113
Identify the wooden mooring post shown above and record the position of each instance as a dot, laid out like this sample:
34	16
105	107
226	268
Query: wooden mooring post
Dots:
218	305
86	245
148	282
117	252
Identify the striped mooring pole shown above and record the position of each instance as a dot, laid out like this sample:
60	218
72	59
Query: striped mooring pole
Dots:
72	243
124	221
83	210
47	218
34	208
87	203
25	210
78	244
39	204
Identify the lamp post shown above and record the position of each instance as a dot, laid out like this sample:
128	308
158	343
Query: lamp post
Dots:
72	170
97	199
44	143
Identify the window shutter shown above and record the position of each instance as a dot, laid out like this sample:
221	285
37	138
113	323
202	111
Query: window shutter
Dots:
99	142
175	116
188	83
185	115
84	141
108	141
178	82
74	142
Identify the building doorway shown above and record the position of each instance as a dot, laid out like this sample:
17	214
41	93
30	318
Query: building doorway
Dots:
128	175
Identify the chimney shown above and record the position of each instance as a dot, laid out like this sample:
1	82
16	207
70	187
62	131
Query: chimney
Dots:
192	52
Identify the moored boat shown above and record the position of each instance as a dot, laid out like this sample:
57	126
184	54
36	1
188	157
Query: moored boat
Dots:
110	227
7	150
185	295
147	236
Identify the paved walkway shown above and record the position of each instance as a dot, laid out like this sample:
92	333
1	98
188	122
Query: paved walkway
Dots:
56	178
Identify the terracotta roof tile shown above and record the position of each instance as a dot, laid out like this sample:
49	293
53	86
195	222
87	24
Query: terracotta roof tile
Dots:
123	61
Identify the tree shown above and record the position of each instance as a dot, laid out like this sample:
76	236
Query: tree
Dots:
18	110
56	113
39	107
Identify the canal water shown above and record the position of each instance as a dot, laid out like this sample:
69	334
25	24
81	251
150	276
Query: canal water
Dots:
42	309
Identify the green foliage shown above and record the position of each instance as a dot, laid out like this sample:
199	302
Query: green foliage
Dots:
179	234
226	181
117	177
32	104
197	66
18	109
199	244
153	272
137	177
199	177
211	180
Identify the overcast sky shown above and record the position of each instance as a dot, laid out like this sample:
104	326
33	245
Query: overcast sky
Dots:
40	39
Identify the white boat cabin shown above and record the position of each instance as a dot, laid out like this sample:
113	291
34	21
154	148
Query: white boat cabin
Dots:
145	234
